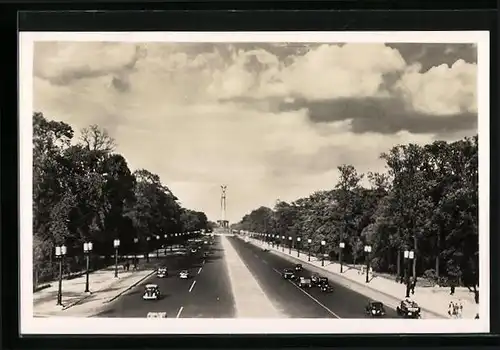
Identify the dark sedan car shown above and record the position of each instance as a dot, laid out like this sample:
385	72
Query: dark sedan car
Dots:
288	274
298	267
375	308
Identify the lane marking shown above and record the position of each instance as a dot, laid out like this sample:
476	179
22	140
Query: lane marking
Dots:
199	270
192	286
179	312
310	296
203	263
265	262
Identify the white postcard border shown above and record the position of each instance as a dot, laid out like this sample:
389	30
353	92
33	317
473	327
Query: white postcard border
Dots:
70	325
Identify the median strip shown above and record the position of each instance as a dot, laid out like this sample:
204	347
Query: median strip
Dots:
250	299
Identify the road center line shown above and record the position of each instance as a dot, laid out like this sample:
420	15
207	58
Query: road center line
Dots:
192	286
199	270
179	312
265	262
310	296
203	263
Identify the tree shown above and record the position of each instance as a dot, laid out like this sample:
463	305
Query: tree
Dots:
97	139
427	201
83	191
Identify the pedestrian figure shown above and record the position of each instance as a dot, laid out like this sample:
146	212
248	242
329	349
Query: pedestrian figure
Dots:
460	308
451	309
476	296
452	289
477	317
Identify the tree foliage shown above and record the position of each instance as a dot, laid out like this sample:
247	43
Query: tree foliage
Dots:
84	191
426	201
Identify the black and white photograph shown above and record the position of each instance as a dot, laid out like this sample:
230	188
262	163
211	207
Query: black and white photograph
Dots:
328	182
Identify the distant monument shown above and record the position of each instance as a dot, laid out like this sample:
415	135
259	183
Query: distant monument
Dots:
223	223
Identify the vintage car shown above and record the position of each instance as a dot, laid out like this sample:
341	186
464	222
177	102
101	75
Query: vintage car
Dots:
162	272
156	315
288	274
326	288
151	292
408	309
184	274
305	282
315	278
298	267
375	308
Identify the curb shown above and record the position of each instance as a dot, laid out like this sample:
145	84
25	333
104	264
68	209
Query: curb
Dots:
129	287
354	282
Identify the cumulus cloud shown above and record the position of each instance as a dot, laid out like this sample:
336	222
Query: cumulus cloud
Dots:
270	121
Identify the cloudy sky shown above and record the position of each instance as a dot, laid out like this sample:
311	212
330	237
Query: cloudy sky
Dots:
269	120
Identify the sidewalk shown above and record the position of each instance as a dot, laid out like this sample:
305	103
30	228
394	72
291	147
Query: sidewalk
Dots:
433	301
104	288
250	300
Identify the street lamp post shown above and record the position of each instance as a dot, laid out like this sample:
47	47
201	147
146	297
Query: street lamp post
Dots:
323	253
165	249
87	248
342	246
283	243
309	249
60	253
408	255
157	246
368	250
116	244
147	248
136	241
298	247
290	245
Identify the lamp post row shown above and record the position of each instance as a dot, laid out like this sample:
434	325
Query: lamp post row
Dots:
275	239
61	251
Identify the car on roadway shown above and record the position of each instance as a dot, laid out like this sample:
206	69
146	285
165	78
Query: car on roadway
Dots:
151	292
194	250
184	274
156	315
315	278
288	274
326	288
305	282
322	280
375	309
298	267
162	272
408	309
205	254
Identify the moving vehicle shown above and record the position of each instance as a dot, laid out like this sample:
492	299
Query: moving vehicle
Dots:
151	292
205	254
162	272
298	267
184	274
193	250
408	309
326	288
375	309
305	282
315	278
321	281
288	274
157	315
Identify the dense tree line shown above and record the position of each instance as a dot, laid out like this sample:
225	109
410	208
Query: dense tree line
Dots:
84	191
426	201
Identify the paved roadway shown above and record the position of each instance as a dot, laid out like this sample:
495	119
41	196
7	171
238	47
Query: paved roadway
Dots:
292	300
207	294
